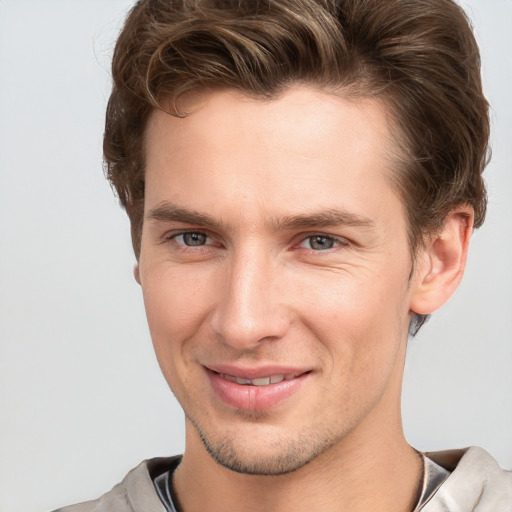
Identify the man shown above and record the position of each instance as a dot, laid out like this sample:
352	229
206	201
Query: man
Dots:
302	179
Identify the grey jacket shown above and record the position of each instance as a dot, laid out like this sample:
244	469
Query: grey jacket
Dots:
476	484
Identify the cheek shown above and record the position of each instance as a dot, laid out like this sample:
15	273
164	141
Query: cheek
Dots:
363	343
176	305
354	303
361	321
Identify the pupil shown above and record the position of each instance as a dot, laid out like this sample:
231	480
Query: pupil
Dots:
321	243
194	238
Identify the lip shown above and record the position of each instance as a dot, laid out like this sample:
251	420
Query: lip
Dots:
254	398
256	372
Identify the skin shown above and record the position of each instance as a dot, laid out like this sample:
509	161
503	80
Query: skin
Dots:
273	236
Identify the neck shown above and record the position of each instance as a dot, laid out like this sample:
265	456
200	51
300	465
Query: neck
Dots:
358	474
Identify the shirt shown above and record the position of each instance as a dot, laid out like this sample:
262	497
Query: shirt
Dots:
433	477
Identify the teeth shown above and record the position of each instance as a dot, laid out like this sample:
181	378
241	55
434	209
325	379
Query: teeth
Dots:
263	381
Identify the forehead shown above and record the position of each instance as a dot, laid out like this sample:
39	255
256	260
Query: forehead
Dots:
305	149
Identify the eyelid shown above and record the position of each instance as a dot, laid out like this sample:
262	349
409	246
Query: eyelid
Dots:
340	241
171	236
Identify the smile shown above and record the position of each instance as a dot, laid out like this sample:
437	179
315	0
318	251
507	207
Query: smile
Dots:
264	381
257	391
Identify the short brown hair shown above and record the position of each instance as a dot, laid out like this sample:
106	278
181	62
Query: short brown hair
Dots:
420	56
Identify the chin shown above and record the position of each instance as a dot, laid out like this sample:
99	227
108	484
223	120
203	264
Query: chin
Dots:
279	455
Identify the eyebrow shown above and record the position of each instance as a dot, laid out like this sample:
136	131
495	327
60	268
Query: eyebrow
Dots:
323	219
169	212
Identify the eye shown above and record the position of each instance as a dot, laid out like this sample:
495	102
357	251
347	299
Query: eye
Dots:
191	239
320	242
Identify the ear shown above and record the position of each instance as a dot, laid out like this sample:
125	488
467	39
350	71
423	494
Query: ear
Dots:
136	272
440	264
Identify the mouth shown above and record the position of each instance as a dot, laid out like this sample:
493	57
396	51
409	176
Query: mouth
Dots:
262	381
253	390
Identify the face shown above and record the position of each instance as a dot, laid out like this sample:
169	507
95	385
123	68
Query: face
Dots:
275	271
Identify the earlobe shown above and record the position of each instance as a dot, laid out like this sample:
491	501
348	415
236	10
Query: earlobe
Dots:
136	272
441	263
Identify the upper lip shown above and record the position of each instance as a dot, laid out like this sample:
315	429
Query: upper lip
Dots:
259	372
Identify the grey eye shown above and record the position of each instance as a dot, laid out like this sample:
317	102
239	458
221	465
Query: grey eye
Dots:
193	239
321	243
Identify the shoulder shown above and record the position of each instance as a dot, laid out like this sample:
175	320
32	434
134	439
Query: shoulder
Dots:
476	483
136	492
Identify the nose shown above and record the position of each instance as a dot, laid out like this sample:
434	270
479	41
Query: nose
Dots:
251	307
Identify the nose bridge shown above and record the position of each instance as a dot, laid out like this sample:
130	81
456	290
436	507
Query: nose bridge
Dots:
249	308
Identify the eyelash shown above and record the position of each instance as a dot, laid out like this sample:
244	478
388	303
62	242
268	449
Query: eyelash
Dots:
171	239
190	233
337	242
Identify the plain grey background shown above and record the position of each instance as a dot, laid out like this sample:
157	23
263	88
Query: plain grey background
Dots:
81	396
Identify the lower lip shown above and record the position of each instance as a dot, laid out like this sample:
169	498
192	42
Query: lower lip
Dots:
254	398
